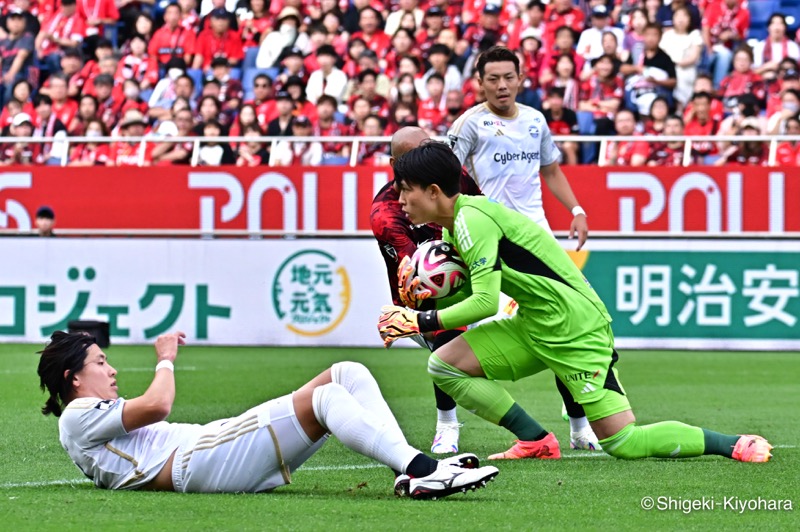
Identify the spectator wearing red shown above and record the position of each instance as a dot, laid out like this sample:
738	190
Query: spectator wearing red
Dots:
326	125
91	153
254	20
87	111
769	53
372	153
788	79
790	107
403	44
531	23
656	119
564	45
97	13
725	23
297	90
746	152
172	39
190	18
64	29
64	108
205	21
172	153
231	91
560	13
20	102
602	94
473	93
83	81
562	122
407	91
359	111
743	80
531	62
487	32
432	25
432	109
131	99
263	100
788	153
366	88
131	152
703	83
668	153
137	65
218	41
21	152
245	119
564	74
701	122
328	80
370	21
355	48
291	64
107	102
626	152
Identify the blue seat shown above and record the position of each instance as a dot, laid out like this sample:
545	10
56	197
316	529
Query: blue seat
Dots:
761	10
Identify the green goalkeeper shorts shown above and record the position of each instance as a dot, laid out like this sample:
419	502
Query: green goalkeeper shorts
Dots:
508	350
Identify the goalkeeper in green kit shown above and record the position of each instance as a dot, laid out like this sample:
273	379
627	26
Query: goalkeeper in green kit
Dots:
561	325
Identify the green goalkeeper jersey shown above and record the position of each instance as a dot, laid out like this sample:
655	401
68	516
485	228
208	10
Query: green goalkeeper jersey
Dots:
506	251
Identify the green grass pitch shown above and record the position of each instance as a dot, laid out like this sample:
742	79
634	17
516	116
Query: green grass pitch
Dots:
40	489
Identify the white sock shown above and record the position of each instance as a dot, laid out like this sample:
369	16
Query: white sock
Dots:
446	416
577	424
359	429
360	383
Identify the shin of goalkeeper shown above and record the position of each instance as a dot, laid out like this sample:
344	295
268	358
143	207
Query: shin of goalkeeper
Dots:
414	296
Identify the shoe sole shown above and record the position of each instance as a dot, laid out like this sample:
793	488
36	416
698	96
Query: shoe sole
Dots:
422	494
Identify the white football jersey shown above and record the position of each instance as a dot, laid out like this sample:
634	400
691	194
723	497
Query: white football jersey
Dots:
504	155
91	432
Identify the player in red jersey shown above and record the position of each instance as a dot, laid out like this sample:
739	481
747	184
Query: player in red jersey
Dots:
398	238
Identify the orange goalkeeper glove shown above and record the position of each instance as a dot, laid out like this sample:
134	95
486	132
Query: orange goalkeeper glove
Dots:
398	322
408	285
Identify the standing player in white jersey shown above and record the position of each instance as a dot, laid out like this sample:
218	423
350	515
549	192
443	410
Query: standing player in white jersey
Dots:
126	444
508	149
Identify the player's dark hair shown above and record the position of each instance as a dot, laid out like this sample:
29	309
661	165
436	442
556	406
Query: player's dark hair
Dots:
431	163
63	356
496	54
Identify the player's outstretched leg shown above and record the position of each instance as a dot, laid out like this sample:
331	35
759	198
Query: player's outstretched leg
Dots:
622	438
489	400
581	435
363	431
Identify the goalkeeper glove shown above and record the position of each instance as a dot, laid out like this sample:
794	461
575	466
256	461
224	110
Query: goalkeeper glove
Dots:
408	285
398	322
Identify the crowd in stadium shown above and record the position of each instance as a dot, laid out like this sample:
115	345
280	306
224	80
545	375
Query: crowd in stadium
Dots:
368	67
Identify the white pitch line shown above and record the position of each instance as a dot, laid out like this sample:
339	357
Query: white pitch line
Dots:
352	467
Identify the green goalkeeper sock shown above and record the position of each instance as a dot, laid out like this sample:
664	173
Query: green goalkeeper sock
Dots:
721	444
485	398
668	439
523	426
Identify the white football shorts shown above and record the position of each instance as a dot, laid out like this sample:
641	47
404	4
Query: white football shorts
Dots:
255	451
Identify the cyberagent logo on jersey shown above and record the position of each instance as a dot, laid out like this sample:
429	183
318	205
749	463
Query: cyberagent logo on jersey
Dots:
525	156
311	293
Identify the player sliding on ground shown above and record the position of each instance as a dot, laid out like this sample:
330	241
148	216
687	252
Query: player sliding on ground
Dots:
561	324
126	444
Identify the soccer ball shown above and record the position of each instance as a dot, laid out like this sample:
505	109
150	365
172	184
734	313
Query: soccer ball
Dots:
439	268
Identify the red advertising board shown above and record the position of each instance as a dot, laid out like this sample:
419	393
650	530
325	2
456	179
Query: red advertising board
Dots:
626	200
